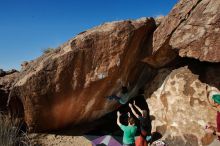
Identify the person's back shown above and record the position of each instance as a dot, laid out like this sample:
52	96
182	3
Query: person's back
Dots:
145	124
129	131
129	134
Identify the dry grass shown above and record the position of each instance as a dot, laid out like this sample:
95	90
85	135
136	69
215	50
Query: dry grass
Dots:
10	132
48	50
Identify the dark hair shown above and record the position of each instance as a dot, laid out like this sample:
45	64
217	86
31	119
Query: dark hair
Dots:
131	120
124	89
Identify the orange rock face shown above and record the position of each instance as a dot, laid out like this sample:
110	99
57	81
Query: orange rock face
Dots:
69	85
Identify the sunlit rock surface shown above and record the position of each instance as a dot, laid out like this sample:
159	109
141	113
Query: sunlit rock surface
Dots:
180	107
190	30
68	85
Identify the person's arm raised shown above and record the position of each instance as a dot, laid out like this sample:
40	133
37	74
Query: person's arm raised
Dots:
138	108
118	118
133	111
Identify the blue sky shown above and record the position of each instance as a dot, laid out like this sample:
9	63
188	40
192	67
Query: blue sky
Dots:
29	26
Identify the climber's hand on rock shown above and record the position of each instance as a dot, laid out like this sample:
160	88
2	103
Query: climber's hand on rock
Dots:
129	114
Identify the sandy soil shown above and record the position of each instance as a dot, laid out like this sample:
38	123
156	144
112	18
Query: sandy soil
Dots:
62	140
58	140
215	143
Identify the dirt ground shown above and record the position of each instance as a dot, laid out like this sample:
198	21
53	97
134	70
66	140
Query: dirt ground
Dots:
58	140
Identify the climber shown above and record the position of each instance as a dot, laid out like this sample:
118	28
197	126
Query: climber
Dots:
145	122
127	95
214	100
129	131
122	98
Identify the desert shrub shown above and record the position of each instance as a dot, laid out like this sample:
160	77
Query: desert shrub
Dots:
11	133
48	50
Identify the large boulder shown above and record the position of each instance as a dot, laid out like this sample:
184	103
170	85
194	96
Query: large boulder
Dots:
180	107
191	29
68	85
6	83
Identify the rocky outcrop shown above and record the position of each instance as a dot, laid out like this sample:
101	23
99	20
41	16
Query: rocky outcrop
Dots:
191	29
178	98
180	107
7	80
2	73
68	85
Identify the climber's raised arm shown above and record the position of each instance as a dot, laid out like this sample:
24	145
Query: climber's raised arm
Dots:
118	118
133	111
138	108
